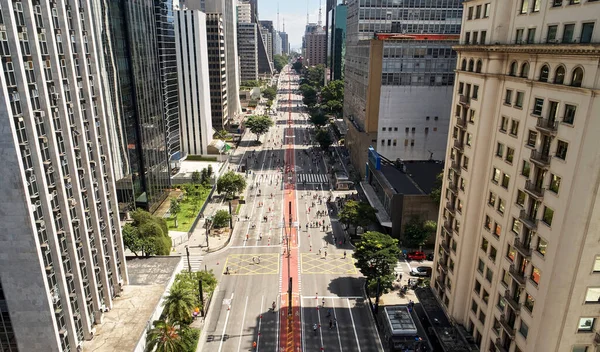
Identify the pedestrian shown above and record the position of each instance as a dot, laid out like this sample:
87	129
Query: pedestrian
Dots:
319	251
400	277
344	254
330	323
323	303
334	322
314	328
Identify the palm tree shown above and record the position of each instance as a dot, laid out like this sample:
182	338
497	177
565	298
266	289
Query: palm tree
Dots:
180	303
164	337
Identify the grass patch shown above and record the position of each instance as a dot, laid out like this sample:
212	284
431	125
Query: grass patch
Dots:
193	200
201	158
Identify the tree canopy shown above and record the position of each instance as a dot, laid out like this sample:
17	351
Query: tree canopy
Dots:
230	183
174	209
279	61
270	92
318	118
221	219
314	76
417	231
323	138
436	190
147	235
332	97
259	124
180	303
357	213
297	66
376	255
309	95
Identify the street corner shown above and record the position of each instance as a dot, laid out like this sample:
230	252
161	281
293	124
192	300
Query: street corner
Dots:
315	263
252	264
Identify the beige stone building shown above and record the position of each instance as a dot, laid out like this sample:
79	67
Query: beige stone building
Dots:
518	253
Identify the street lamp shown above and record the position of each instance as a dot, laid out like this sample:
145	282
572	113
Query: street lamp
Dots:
207	223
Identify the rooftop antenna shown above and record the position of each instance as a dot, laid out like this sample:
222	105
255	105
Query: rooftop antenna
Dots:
277	16
284	25
319	22
306	12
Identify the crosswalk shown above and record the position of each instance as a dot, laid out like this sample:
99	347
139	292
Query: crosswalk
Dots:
195	262
312	178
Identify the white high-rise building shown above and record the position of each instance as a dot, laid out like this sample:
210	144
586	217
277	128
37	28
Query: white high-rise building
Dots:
518	251
193	80
244	12
277	49
61	251
247	41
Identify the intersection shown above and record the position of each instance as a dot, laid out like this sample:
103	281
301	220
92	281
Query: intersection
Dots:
288	251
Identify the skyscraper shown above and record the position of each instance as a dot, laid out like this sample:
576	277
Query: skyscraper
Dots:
194	87
248	38
219	99
517	260
398	78
136	88
338	41
61	252
315	39
285	44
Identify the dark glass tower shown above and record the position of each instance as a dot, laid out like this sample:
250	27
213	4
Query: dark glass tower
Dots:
138	89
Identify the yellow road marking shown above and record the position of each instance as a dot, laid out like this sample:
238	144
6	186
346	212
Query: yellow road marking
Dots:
246	264
312	263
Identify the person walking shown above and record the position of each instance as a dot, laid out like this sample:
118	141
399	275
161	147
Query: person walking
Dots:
330	323
314	328
323	303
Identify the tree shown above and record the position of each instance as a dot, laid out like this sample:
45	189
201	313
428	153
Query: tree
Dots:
376	255
196	177
332	97
309	96
315	76
319	119
270	92
297	66
222	134
208	279
221	219
174	209
259	125
206	175
357	214
417	231
164	337
180	303
147	234
230	183
279	61
436	190
324	138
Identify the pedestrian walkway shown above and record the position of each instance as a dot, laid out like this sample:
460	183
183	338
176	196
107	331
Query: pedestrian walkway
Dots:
313	178
196	262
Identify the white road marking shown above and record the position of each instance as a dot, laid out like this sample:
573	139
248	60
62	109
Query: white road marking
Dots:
225	325
353	326
334	297
242	324
336	325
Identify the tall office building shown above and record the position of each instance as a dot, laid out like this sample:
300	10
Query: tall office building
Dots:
217	71
268	33
247	43
315	39
136	88
338	42
398	78
277	49
194	87
518	258
61	252
285	44
165	36
228	10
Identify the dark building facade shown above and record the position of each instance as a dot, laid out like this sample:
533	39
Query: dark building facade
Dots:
137	87
217	70
338	42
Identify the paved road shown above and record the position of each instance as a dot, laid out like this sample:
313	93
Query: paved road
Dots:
288	189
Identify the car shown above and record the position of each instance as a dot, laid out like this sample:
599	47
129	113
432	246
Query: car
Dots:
416	255
421	271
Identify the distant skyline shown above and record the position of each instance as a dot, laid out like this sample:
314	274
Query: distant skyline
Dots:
294	13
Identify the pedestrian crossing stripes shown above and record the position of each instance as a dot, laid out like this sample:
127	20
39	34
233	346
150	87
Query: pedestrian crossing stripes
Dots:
195	262
312	178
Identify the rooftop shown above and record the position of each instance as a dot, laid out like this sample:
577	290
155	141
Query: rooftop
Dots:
415	177
400	320
132	312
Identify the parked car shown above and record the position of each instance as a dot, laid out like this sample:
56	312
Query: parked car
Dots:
421	271
416	255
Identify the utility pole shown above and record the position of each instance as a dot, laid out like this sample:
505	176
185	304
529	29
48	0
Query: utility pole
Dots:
187	252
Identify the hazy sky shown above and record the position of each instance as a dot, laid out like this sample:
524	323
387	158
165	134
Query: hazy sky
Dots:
294	13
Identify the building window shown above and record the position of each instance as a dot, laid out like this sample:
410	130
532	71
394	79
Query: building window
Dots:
530	35
538	106
486	10
561	150
548	215
501	205
492	199
406	129
554	183
544	73
569	114
516	226
592	295
557	3
412	142
482	39
505	180
511	253
503	124
586	32
520	201
531	138
489	275
586	324
508	97
493	254
426	130
524	6
551	36
406	142
523	329
506	280
394	142
497	229
469	139
541	247
395	129
514	128
529	302
383	129
474	306
484	245
496	176
525	70
383	142
413	130
577	77
500	150
476	92
488	223
481	266
478	12
568	31
470	13
519	36
526	168
465	163
477	287
512	71
389	142
519	100
559	75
